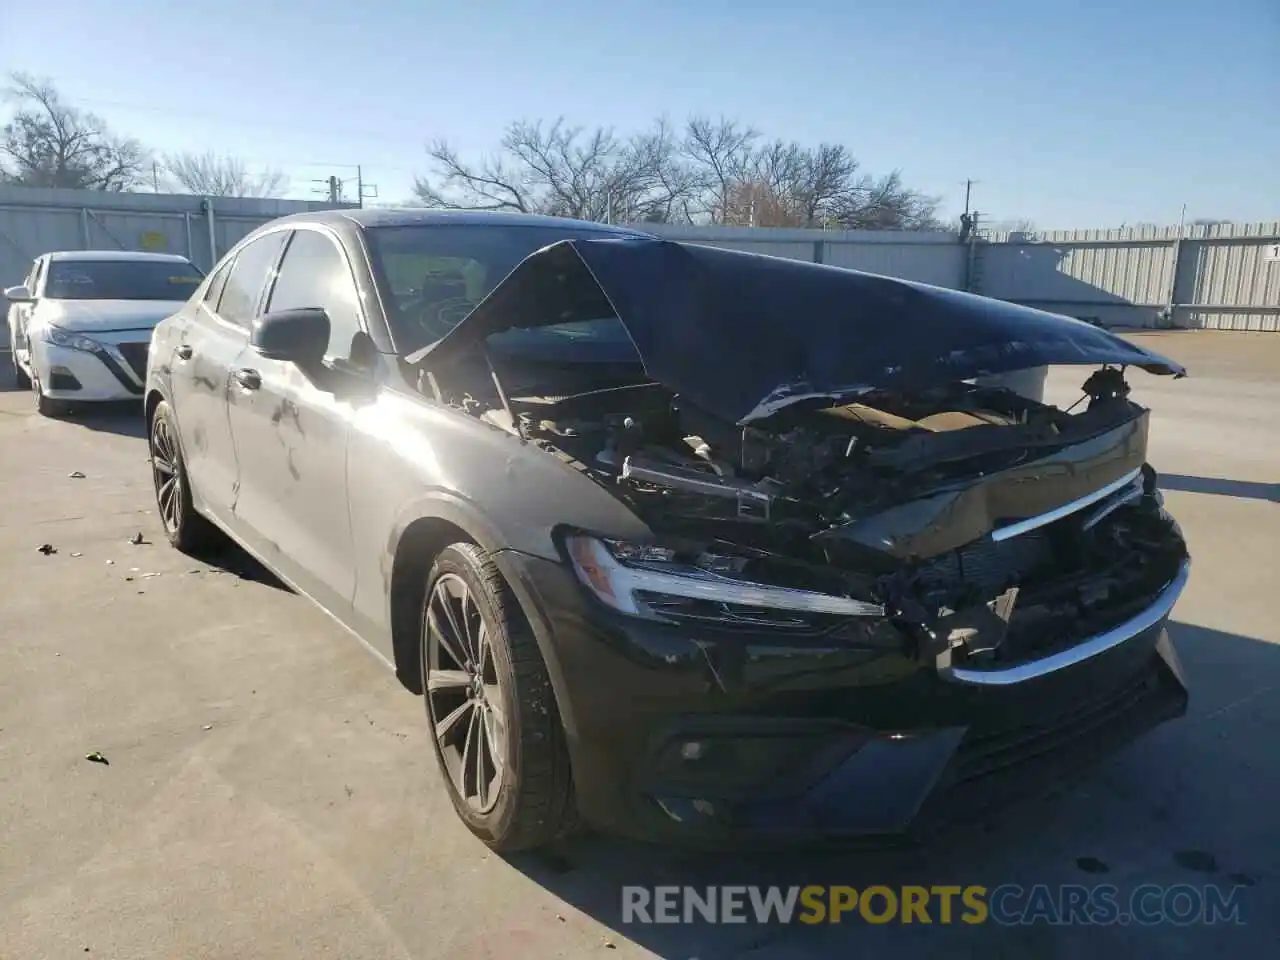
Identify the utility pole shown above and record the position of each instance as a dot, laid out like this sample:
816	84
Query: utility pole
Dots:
968	187
155	179
359	186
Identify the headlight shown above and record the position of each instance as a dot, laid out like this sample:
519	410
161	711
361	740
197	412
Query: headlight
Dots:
72	341
645	581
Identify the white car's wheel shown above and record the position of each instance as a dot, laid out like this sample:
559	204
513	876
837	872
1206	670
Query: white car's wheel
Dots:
46	406
20	378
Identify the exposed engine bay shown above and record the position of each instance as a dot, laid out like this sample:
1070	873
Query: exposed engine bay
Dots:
915	502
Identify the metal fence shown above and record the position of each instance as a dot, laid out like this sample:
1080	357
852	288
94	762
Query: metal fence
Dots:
1224	276
34	221
1221	276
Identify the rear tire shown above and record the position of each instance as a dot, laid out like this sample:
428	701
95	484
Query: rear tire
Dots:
486	688
185	529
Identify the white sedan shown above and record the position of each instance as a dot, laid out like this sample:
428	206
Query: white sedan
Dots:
80	326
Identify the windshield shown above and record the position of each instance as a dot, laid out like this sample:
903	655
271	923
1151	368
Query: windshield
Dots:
434	275
121	280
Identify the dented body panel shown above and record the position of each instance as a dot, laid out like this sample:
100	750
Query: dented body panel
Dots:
744	336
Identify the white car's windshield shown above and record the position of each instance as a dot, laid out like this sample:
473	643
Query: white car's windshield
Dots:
121	280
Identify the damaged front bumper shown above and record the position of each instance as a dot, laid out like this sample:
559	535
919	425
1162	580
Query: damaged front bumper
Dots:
700	735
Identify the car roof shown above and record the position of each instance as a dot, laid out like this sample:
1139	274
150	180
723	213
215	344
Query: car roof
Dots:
98	255
420	216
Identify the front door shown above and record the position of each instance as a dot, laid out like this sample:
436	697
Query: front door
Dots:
291	427
204	352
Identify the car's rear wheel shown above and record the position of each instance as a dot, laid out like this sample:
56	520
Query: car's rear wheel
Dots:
184	528
20	378
492	713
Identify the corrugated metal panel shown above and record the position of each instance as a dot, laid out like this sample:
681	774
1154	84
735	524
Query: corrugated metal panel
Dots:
1233	273
1139	272
1261	321
939	264
1107	314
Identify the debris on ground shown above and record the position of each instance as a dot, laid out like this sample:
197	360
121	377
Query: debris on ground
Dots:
75	475
148	576
138	539
208	726
110	563
47	548
96	757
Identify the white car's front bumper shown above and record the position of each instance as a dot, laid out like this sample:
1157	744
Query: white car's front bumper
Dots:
116	370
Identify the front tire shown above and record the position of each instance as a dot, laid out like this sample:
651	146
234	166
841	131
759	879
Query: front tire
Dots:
491	710
46	406
185	529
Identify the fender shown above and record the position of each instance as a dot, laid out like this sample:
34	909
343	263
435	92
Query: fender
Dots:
451	507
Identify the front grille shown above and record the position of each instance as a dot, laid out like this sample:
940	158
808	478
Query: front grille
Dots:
982	755
993	772
136	354
991	566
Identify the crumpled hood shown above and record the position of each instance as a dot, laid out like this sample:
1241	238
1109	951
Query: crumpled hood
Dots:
743	335
88	316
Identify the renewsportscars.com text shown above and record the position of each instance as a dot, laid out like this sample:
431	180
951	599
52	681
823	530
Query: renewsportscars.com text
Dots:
1006	905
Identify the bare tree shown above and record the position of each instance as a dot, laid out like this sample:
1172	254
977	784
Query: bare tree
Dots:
212	175
49	143
565	171
711	171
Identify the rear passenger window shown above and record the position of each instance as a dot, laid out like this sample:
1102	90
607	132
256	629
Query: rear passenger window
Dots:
213	293
314	273
248	277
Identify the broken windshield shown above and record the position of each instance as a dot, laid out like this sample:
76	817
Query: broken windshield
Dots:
434	275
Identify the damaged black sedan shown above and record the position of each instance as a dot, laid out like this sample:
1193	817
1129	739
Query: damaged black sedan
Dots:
694	544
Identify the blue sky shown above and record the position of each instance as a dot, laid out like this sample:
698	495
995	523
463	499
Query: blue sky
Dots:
1067	112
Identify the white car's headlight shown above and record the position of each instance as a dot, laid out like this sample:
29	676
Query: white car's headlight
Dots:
653	581
72	341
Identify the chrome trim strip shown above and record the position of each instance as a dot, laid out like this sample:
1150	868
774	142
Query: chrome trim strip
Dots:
1129	495
1086	649
1032	523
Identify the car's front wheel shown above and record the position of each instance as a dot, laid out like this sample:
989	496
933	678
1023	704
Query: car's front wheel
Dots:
46	406
492	713
185	529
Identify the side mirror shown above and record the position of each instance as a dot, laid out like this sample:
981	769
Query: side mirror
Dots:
18	294
297	336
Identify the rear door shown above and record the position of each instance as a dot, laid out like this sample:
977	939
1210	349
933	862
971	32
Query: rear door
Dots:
20	313
206	349
291	427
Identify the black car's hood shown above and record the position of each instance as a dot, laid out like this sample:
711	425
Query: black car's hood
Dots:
743	335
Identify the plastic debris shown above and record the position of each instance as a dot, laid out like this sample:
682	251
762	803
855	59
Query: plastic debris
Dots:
77	554
138	539
96	757
47	548
75	475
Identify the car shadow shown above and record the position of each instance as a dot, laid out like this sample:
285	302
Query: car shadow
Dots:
1186	804
124	417
1241	489
229	557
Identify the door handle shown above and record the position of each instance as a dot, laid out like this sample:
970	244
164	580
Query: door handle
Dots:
184	351
248	379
